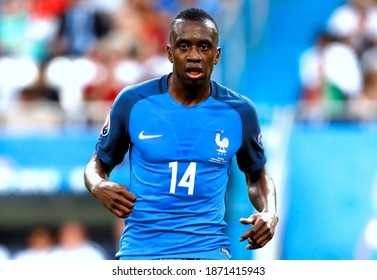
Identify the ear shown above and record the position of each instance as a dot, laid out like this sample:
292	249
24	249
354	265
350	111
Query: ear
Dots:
168	50
217	57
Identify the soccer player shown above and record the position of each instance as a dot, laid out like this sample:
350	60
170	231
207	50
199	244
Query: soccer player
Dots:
181	132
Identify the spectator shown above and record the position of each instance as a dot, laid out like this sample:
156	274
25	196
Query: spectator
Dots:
74	244
80	27
41	90
365	108
330	76
43	23
40	243
101	91
15	73
127	55
14	36
355	22
135	28
37	103
70	75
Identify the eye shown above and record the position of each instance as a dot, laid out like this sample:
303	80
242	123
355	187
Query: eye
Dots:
183	46
204	47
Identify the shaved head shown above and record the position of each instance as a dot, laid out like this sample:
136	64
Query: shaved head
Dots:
193	14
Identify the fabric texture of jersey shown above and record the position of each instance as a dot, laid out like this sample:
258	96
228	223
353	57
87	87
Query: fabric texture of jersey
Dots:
180	161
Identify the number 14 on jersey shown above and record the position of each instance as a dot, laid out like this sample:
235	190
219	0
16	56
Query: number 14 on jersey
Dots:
187	180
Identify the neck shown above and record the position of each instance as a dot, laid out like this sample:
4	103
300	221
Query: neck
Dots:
188	95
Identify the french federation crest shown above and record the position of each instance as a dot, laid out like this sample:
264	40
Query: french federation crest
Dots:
222	143
106	126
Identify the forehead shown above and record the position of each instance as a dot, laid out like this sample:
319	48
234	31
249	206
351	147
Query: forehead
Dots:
184	29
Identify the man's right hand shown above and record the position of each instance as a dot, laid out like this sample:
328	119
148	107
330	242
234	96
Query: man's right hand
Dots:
115	197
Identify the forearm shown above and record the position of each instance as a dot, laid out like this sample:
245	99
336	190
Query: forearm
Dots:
95	172
114	196
262	192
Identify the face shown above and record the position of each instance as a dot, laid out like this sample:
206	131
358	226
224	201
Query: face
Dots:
193	51
363	4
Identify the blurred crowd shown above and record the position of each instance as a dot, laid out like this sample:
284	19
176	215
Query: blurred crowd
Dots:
339	72
71	240
64	61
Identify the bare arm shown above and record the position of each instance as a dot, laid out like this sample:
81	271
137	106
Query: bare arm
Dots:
114	196
95	172
262	194
261	190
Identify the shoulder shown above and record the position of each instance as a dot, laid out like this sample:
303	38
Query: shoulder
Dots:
130	95
139	91
237	101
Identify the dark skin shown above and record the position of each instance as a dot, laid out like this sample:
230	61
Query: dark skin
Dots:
193	50
114	196
262	194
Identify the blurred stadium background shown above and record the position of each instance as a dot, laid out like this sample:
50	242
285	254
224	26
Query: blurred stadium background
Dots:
325	169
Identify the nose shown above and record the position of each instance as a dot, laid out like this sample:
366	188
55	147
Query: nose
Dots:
194	54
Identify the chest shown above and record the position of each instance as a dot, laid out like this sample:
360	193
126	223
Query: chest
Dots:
165	131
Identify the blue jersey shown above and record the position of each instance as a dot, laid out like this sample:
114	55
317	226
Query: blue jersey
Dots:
180	161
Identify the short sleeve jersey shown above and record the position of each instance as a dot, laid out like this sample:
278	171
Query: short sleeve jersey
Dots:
180	162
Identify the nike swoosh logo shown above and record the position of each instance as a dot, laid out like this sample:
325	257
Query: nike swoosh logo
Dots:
142	136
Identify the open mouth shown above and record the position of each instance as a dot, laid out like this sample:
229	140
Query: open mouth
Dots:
194	72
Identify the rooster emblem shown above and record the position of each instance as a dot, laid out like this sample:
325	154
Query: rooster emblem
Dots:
223	144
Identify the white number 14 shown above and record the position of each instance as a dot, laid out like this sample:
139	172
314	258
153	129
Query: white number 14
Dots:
187	180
